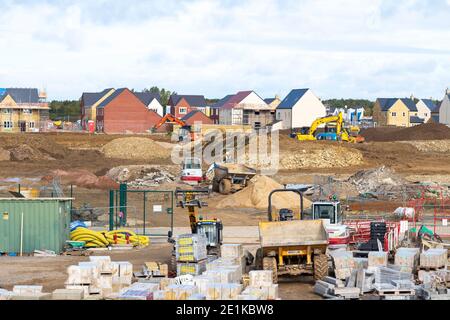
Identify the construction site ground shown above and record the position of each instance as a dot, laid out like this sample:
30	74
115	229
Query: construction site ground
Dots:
424	161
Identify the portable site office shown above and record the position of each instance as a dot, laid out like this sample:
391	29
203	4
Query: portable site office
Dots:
28	224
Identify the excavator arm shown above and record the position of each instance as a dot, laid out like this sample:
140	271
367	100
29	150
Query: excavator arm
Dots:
168	118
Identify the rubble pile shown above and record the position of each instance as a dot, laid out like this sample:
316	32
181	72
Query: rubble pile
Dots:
439	146
376	180
142	176
330	157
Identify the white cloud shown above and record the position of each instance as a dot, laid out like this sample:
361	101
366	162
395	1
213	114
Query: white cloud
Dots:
340	48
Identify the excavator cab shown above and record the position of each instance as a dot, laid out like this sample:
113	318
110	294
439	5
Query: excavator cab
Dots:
328	210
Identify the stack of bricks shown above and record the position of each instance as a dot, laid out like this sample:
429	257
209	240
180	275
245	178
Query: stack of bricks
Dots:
191	254
343	264
29	293
407	259
433	259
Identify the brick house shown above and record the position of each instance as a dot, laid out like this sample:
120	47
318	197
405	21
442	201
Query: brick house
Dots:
88	105
196	116
124	112
181	105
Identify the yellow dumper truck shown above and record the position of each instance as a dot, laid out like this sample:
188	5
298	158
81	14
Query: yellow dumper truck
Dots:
292	246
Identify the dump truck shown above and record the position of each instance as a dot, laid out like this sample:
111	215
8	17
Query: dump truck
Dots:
227	178
293	248
291	245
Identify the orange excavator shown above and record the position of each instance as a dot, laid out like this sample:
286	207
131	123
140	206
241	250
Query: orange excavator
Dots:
171	119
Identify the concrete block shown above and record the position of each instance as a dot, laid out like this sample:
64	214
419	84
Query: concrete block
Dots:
26	290
33	296
103	263
377	258
233	251
343	274
434	258
261	278
68	294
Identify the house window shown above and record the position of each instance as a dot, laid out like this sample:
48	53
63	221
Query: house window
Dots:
7	124
257	125
394	114
31	125
26	111
256	113
6	110
404	114
182	110
245	118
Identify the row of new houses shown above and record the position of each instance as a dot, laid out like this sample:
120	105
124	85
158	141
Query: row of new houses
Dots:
122	110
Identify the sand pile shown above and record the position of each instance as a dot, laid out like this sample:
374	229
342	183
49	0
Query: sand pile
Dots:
256	194
328	157
135	149
427	131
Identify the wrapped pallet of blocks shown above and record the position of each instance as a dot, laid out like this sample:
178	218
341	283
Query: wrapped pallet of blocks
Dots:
191	248
407	259
192	268
139	291
434	258
122	273
233	251
229	274
378	259
103	263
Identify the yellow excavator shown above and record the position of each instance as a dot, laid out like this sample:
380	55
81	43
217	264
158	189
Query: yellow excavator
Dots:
338	134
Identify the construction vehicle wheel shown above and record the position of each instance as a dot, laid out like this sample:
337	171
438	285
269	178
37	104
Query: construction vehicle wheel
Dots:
320	266
259	259
225	186
270	263
215	186
173	263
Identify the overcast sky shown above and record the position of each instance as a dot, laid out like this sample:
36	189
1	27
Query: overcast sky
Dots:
339	48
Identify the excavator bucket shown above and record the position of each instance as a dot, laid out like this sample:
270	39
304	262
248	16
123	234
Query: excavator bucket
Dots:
292	233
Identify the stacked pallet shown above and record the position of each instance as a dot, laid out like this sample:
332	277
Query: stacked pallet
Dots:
191	254
99	277
378	259
25	292
433	258
407	259
260	286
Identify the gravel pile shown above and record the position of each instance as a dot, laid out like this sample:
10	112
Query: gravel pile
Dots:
135	149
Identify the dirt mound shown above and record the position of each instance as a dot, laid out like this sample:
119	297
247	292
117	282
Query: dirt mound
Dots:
134	148
82	178
5	155
256	194
327	157
376	180
427	131
24	152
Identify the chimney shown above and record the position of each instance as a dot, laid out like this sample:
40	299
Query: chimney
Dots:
277	97
412	97
447	91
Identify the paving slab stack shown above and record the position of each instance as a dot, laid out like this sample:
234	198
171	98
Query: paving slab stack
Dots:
344	263
191	254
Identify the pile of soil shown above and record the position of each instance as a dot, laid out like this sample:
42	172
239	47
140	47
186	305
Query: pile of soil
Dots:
439	146
256	195
135	149
5	155
427	131
31	148
82	178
